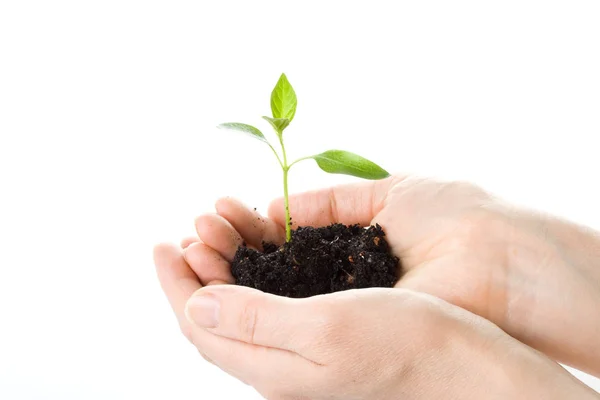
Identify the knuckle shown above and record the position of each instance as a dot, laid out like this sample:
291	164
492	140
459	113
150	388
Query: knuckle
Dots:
331	325
206	357
247	322
333	207
187	330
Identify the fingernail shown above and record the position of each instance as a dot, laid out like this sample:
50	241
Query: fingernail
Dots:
203	311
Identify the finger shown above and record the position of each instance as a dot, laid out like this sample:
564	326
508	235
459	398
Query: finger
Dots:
261	367
217	282
216	232
347	204
251	316
208	264
189	240
253	227
249	363
177	280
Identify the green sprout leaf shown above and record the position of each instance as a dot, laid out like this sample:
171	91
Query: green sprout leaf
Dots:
248	129
344	162
279	124
283	106
283	99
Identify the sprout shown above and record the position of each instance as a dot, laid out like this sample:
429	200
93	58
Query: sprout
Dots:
283	108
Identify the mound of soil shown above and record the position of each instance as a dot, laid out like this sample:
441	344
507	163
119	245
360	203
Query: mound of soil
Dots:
319	261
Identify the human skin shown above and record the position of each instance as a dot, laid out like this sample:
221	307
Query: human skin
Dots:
535	276
358	344
531	274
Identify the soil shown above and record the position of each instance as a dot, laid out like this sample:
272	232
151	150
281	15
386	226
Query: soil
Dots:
319	261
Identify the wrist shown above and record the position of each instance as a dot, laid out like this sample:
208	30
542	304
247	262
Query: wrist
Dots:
520	372
486	363
555	289
579	250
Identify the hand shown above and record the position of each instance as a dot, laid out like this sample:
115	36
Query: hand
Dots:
517	268
359	344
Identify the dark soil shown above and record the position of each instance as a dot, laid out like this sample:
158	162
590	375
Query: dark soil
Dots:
319	261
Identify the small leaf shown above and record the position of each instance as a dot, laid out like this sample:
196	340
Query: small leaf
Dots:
344	162
249	129
279	124
283	99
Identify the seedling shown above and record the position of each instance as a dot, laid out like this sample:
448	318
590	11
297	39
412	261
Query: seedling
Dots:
283	108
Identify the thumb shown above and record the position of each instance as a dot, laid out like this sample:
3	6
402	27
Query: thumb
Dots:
249	315
347	204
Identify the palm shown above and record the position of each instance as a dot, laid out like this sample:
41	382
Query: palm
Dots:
445	235
430	225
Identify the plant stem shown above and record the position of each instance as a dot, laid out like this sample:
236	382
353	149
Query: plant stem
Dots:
276	155
286	201
288	223
300	159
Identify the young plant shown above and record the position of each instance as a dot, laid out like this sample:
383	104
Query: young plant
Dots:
283	108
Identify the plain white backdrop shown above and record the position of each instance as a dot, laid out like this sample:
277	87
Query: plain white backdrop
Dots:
108	145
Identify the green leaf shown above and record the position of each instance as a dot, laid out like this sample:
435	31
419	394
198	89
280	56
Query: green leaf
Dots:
283	99
249	129
344	162
279	124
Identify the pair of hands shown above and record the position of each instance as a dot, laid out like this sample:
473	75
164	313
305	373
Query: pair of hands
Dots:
457	243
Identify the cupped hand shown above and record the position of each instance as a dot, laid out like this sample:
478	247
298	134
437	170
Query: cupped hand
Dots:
358	344
455	241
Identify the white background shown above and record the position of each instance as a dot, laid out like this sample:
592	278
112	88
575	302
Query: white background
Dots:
108	145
